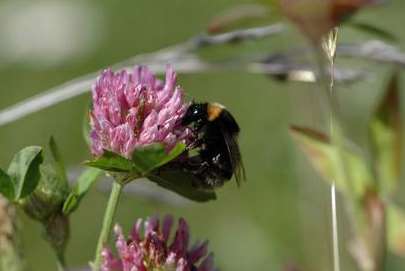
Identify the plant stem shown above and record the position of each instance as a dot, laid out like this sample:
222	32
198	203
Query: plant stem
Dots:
332	42
375	235
335	235
329	47
326	81
60	263
107	222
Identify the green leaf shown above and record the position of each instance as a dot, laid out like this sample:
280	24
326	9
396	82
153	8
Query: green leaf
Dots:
71	204
144	161
373	30
6	185
369	227
396	230
86	180
57	158
386	137
182	183
24	171
325	157
111	161
82	186
155	156
47	198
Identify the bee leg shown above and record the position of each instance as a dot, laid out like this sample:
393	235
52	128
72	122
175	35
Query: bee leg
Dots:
208	176
199	169
196	144
193	163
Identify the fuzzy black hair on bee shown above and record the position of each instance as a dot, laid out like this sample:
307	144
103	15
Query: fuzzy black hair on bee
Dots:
218	157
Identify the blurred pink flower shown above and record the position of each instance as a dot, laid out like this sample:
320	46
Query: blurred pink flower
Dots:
152	250
316	17
132	109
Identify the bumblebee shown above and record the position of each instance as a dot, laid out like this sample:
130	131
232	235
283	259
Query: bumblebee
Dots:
218	157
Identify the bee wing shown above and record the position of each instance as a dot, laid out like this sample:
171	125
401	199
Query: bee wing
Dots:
234	154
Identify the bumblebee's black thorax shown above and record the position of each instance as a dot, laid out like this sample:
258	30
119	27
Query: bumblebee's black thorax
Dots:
210	114
224	120
216	129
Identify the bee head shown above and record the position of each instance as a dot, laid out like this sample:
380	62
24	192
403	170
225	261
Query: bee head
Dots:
196	112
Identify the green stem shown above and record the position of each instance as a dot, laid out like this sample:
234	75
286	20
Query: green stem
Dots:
329	47
60	263
107	222
57	232
335	231
337	137
375	240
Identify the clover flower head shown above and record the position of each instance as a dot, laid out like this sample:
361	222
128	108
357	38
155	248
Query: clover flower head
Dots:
155	249
133	109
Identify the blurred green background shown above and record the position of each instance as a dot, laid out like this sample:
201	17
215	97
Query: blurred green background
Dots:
280	216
